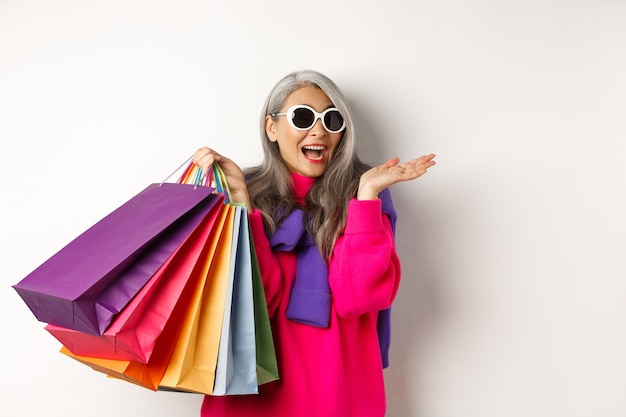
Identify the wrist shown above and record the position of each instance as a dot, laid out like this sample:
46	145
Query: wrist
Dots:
241	197
366	193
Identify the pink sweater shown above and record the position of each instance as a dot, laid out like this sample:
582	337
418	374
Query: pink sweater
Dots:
334	371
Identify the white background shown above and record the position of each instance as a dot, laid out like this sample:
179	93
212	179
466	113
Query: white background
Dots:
513	294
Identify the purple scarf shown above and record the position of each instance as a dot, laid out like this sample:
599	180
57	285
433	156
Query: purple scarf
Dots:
310	298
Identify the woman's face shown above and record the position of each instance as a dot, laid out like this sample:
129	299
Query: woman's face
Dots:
305	152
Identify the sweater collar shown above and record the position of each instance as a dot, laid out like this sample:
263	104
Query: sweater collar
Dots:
301	186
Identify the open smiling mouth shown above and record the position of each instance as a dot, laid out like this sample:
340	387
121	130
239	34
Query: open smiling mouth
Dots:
314	152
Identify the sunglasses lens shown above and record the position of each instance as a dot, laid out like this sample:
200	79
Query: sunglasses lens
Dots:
333	121
303	118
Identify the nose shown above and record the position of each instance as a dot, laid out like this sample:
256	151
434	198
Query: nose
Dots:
318	128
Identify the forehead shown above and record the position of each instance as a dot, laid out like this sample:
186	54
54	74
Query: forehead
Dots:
310	95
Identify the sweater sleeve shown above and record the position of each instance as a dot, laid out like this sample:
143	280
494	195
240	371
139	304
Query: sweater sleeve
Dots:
364	271
271	272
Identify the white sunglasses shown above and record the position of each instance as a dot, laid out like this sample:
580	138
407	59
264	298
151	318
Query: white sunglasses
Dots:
303	117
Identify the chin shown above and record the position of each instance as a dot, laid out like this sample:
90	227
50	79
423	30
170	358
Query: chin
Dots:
315	172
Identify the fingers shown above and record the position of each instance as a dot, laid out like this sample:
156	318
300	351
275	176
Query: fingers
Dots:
392	162
201	153
204	158
424	159
423	162
408	170
413	169
428	159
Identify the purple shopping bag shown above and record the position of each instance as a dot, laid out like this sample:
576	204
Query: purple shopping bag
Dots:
91	279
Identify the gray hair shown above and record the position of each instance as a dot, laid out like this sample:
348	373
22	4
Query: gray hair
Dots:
296	80
269	184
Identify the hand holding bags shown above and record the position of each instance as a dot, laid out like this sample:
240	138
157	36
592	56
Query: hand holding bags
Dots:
195	321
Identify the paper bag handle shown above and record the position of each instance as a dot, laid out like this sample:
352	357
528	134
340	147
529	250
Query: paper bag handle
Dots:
193	175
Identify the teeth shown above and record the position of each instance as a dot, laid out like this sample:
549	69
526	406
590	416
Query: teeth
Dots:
314	152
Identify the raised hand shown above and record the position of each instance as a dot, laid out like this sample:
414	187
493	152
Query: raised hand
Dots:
391	172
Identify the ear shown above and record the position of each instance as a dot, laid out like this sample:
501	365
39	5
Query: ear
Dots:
270	128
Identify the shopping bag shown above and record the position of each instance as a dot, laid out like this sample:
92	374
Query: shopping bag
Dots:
236	360
92	278
194	359
134	331
134	372
250	357
217	340
149	374
266	363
